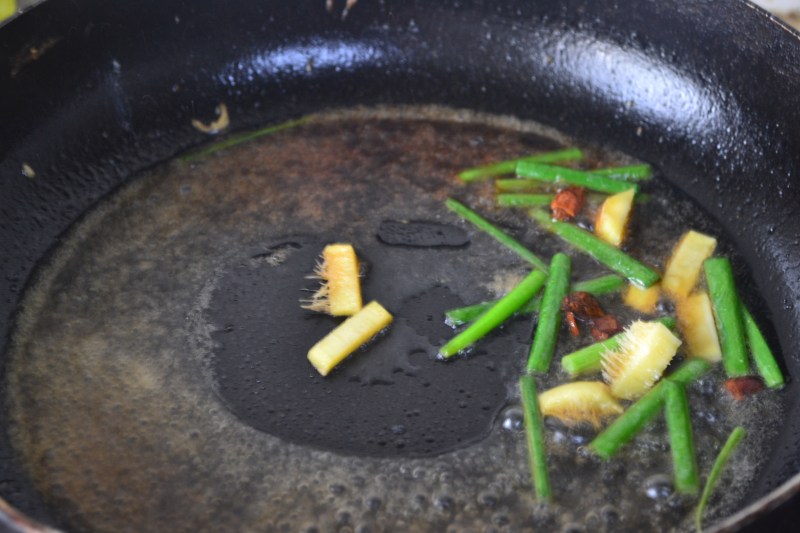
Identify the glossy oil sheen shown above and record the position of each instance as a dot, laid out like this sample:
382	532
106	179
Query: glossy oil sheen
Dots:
168	333
707	91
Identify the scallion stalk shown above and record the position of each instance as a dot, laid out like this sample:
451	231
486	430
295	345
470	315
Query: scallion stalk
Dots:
508	167
728	315
241	138
599	285
579	178
629	173
534	431
495	316
645	409
720	462
514	185
524	200
681	441
761	353
596	287
503	238
601	251
546	335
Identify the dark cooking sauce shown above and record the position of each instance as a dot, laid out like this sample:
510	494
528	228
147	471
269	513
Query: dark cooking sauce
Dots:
158	378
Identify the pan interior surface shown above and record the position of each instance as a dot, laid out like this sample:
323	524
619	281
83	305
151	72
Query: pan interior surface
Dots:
162	350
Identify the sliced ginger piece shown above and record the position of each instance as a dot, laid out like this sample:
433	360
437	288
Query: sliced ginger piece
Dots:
642	300
348	337
340	292
612	219
580	401
696	321
686	262
645	349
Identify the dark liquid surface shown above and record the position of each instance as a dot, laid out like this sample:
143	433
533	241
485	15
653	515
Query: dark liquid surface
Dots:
158	378
391	398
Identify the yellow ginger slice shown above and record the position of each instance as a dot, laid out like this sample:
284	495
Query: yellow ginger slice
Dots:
612	219
645	350
643	300
340	292
580	401
696	321
685	264
348	336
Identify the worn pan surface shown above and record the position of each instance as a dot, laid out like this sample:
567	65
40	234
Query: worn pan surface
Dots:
93	92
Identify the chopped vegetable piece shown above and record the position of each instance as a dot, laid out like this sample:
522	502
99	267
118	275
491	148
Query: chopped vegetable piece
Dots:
546	335
588	360
340	293
761	353
645	350
720	462
685	263
471	216
8	8
681	441
534	431
595	286
643	300
524	200
514	185
599	285
348	336
580	401
235	140
464	315
580	178
616	260
222	121
728	316
638	415
612	219
567	203
696	321
341	270
744	386
629	173
504	308
508	167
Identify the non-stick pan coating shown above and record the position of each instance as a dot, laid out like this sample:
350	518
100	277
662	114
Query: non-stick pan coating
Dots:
707	91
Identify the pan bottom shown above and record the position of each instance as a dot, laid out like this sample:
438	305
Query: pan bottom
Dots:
159	369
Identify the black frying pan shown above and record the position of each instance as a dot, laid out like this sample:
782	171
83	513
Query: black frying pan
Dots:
92	92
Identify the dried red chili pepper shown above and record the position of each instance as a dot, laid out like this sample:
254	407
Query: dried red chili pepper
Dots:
583	305
744	386
605	326
567	203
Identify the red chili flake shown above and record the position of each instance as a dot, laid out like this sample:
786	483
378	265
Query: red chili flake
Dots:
605	326
583	305
745	386
572	323
567	203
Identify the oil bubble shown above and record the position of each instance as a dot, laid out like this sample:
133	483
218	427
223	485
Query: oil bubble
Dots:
512	419
658	487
